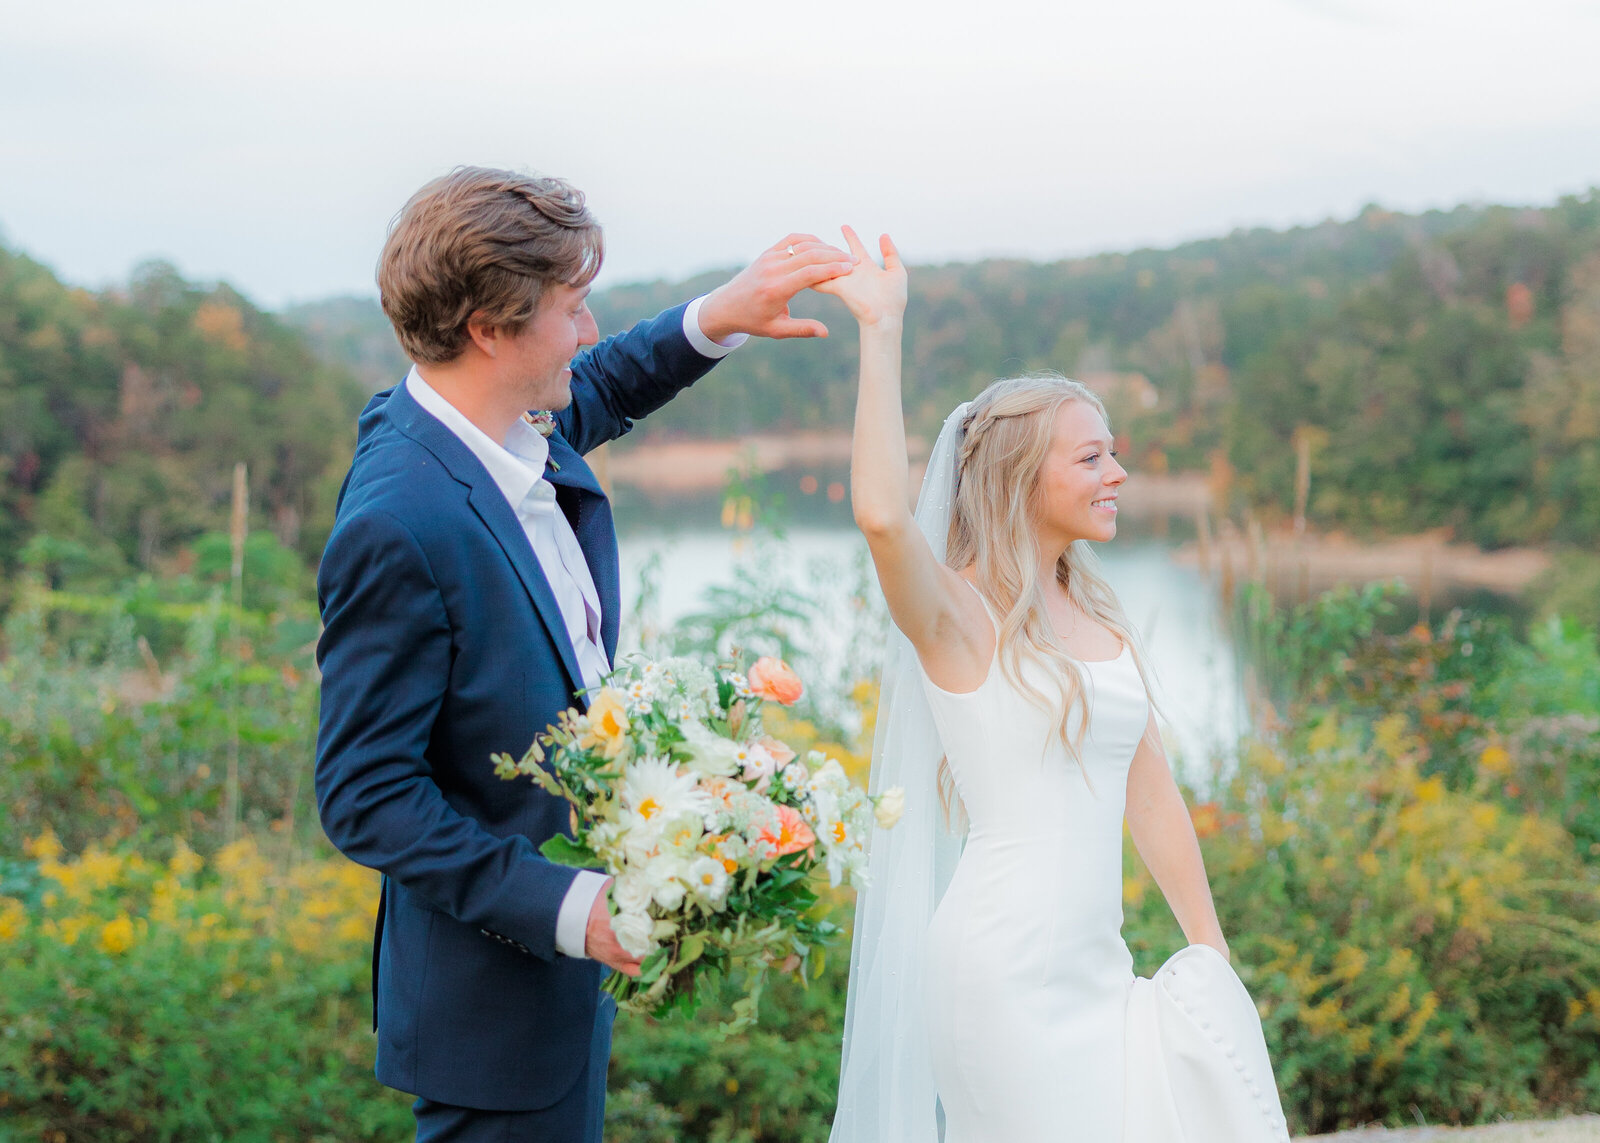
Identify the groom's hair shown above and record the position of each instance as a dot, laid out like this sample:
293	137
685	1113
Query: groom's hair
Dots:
481	241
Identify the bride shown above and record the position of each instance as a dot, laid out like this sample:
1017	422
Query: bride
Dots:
992	998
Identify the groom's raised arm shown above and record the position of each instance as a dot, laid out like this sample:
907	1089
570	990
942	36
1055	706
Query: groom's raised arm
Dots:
385	656
633	374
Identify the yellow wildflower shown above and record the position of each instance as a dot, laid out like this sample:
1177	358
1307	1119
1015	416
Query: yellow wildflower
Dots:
185	861
13	918
1495	759
1324	738
71	928
116	936
1399	1004
1349	962
46	847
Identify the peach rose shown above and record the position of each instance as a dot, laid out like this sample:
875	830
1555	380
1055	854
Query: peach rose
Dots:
781	754
792	836
773	679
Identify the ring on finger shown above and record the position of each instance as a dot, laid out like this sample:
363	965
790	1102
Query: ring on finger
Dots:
790	249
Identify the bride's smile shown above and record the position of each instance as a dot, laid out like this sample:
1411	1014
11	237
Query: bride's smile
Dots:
1078	482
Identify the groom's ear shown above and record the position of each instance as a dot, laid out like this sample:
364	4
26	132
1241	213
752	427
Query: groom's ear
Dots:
484	334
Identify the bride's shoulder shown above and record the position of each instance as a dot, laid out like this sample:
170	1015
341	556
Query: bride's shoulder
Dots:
958	657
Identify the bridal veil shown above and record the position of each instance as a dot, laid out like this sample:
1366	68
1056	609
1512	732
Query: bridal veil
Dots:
886	1090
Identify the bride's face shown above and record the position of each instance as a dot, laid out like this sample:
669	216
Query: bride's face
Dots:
1078	482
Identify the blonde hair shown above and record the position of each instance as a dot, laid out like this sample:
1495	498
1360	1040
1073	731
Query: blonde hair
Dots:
1006	436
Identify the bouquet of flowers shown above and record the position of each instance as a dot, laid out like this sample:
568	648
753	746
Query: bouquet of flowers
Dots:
715	832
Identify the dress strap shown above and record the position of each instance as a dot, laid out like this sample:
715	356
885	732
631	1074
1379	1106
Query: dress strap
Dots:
981	599
994	620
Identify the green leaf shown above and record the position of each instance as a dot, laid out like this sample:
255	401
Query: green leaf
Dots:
690	950
562	850
652	967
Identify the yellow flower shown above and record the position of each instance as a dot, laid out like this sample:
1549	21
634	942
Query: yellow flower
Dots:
100	869
608	724
1325	737
71	928
185	861
1368	863
13	918
45	847
1431	790
1349	962
1399	1004
116	936
1495	759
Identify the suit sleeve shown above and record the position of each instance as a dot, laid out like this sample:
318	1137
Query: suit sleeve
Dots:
628	376
385	655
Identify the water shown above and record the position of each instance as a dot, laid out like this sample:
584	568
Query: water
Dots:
1175	610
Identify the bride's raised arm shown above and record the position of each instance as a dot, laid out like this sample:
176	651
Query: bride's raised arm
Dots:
941	616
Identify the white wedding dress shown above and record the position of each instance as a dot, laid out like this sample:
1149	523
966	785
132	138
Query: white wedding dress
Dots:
1037	1029
990	980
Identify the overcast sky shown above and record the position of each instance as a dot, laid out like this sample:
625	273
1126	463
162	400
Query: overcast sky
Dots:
269	145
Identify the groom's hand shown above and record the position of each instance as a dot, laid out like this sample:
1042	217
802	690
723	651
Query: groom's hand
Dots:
600	943
756	299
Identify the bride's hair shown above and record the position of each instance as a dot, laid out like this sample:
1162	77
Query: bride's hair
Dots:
1006	436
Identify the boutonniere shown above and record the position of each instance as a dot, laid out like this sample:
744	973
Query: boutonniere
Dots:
542	420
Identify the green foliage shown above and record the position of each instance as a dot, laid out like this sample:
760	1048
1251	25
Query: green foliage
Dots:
1409	870
96	734
126	411
775	1082
1409	946
179	999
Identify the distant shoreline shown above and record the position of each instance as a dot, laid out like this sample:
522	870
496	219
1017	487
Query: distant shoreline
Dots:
1292	565
702	466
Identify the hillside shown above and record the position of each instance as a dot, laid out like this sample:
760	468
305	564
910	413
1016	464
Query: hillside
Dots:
1440	370
123	414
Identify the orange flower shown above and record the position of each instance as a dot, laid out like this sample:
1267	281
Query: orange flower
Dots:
608	724
792	836
1206	819
781	754
773	679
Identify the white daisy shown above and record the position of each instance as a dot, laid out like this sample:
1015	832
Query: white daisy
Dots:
652	793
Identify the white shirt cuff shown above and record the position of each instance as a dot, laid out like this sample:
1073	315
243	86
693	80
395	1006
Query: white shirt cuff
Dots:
697	336
572	922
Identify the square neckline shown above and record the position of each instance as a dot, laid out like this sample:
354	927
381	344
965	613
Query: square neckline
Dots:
1117	658
994	660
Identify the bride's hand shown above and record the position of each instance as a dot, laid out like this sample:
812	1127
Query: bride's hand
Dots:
874	294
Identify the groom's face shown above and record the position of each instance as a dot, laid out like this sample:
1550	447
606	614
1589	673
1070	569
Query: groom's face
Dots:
541	355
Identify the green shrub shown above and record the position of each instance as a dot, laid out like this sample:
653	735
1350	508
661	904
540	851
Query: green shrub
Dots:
1409	946
190	1000
96	737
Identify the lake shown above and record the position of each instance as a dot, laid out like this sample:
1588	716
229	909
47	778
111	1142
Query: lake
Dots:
1173	606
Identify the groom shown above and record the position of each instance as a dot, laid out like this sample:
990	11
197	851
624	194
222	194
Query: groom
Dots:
469	591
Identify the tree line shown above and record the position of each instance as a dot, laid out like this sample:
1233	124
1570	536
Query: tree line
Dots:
1437	370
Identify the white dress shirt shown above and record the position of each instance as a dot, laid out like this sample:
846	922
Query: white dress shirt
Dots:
518	469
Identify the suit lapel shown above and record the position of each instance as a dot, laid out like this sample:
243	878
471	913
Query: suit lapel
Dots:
489	503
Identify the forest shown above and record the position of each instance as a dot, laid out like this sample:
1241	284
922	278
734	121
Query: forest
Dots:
1437	371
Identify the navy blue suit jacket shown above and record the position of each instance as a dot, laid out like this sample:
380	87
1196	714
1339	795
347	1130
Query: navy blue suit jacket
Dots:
442	645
